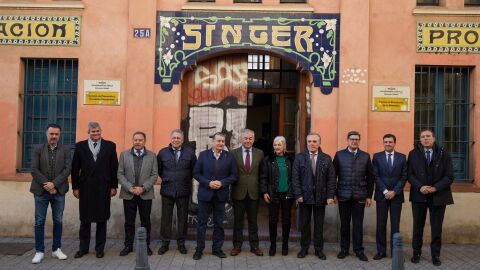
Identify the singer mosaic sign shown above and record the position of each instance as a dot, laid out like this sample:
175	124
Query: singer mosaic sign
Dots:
312	40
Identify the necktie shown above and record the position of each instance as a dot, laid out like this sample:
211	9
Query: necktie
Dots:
175	153
429	157
313	163
94	144
139	153
389	161
247	160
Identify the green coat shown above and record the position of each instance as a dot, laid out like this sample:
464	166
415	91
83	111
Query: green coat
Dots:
248	182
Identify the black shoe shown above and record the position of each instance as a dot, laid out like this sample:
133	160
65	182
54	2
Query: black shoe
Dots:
125	251
149	251
436	261
219	253
273	249
197	255
379	256
361	256
285	249
100	254
182	249
80	254
415	258
320	255
162	250
303	252
342	254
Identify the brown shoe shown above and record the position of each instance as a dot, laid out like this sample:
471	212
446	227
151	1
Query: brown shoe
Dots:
256	251
235	251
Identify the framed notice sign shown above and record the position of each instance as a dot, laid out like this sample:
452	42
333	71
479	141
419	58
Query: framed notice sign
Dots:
391	98
101	92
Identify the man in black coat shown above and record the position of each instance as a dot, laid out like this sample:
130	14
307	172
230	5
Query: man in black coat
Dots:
94	182
354	192
390	171
175	166
313	181
430	173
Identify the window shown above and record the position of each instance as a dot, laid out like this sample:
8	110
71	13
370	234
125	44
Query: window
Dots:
427	2
472	2
442	104
50	96
292	1
247	1
265	71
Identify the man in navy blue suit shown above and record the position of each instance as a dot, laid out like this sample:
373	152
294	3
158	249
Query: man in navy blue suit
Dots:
215	171
390	171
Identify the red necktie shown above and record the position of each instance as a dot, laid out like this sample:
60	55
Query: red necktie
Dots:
247	161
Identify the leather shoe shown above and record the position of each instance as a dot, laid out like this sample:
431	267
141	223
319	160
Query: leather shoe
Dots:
361	256
436	261
197	255
125	251
219	253
162	250
149	251
235	251
379	256
256	251
303	252
272	250
182	249
320	255
415	258
100	254
342	254
80	254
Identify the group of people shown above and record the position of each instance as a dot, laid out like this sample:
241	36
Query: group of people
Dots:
311	180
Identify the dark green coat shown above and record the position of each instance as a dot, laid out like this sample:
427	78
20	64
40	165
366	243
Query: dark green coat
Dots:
248	182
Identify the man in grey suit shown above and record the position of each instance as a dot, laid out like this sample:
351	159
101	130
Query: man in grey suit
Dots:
50	170
137	173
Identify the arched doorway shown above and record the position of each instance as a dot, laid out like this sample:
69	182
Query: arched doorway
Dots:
261	92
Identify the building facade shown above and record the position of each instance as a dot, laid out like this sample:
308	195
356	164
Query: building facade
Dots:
279	67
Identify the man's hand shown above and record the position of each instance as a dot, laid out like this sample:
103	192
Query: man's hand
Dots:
48	186
390	195
158	181
113	192
368	202
425	190
300	200
266	197
76	193
133	190
432	189
215	184
53	191
330	201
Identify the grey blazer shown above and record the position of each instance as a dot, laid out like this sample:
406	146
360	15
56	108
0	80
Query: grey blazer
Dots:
148	174
40	169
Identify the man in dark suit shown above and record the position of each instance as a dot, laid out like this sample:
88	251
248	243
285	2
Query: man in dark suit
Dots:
50	170
390	172
430	173
354	192
137	173
313	181
94	182
175	167
215	171
245	193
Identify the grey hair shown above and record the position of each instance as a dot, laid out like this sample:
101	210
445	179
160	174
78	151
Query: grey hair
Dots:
223	135
282	140
179	131
92	125
247	131
315	134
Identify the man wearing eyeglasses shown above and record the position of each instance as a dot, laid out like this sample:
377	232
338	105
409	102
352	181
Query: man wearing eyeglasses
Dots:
354	191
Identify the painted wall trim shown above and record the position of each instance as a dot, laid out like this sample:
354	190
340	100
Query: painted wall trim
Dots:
41	6
446	12
248	7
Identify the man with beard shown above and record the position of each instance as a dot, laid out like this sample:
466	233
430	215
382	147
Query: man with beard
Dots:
94	182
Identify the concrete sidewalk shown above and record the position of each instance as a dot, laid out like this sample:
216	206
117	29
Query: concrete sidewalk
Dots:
453	257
